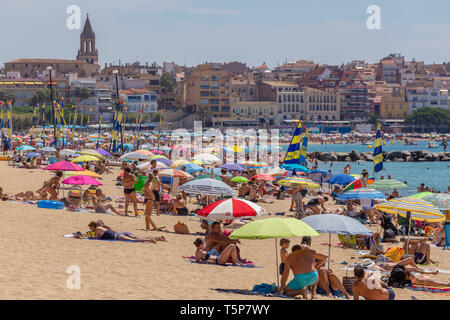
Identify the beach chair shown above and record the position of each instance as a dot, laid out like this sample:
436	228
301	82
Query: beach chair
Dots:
447	236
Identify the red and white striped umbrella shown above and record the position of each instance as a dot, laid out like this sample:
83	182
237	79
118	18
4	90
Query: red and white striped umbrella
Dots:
230	209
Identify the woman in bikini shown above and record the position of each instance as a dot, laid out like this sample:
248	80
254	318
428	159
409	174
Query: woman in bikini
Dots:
51	186
149	198
128	182
202	256
424	280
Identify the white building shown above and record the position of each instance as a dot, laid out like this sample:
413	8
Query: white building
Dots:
418	97
140	100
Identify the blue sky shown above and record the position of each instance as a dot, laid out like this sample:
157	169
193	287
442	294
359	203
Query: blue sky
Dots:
253	31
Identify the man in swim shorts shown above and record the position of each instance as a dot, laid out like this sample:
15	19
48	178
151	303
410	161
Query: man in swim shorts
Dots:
302	262
371	288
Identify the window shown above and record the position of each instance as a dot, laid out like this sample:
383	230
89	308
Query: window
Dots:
203	101
146	97
225	108
214	109
204	86
204	93
214	101
214	86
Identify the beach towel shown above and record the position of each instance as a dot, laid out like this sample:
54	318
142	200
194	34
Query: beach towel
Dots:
253	293
439	290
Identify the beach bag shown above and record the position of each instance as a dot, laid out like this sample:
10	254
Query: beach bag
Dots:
389	234
397	278
395	254
264	288
348	282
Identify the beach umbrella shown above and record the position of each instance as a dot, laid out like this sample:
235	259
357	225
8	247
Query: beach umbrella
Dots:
342	179
239	179
200	162
361	193
211	187
440	200
85	158
33	154
91	153
67	152
265	177
64	166
421	212
297	167
274	228
255	165
26	147
298	182
318	175
355	184
217	171
276	171
82	180
128	146
421	195
103	152
191	168
147	165
207	157
232	167
134	156
167	162
208	176
84	173
158	156
165	148
230	209
157	151
145	152
47	149
388	184
178	163
174	173
336	224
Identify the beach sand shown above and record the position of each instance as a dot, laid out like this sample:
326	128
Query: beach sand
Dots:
35	256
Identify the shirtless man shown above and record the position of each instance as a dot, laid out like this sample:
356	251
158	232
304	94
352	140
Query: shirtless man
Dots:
418	249
225	178
216	242
370	289
302	261
156	187
128	182
52	186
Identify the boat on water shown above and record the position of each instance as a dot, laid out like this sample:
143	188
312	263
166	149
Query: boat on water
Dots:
432	144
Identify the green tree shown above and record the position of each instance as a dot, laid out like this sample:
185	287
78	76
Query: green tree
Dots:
6	96
43	96
429	118
167	83
83	93
373	118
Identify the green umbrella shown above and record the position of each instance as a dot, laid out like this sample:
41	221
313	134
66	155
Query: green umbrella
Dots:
208	176
239	179
274	228
421	195
388	184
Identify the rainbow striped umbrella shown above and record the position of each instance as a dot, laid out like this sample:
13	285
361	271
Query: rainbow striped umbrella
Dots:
421	212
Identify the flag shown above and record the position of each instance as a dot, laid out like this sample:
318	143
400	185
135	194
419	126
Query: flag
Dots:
378	151
293	152
304	148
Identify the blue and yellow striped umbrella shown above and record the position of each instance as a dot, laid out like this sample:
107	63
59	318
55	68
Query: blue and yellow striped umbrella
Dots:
421	212
298	182
361	193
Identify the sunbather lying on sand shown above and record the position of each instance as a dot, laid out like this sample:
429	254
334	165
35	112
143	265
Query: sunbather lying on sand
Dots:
203	256
408	263
424	280
103	233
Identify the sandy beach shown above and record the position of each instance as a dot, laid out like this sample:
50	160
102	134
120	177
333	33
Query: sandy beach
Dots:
35	256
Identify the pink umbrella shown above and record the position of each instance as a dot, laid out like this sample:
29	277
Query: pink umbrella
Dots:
82	180
64	166
158	152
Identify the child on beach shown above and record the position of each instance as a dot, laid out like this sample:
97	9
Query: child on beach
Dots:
284	244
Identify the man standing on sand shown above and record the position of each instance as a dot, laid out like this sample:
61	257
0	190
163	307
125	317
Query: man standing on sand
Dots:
371	288
302	262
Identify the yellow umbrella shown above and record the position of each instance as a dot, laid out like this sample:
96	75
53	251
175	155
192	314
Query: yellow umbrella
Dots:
85	158
419	211
297	181
178	163
83	173
91	153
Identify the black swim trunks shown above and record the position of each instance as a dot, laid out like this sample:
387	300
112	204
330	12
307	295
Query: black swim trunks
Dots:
128	191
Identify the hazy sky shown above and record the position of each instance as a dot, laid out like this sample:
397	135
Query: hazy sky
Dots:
253	31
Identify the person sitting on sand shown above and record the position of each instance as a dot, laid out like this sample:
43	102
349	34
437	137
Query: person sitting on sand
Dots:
52	186
179	206
225	178
102	208
371	288
417	249
439	238
302	262
103	233
205	225
424	280
216	242
203	256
